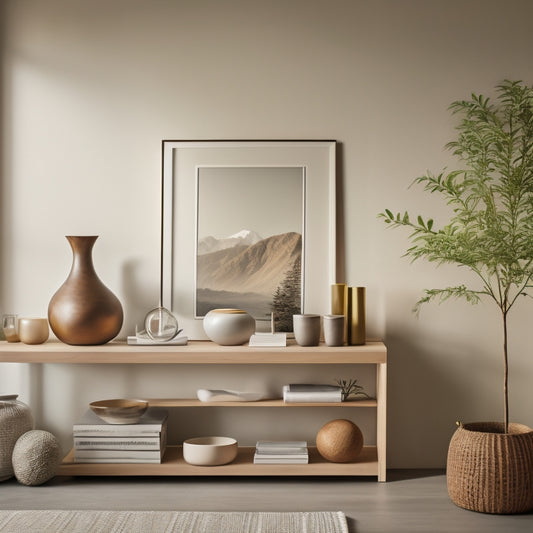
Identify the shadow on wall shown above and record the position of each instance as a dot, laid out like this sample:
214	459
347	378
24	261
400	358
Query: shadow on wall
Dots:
138	296
4	204
420	415
340	274
75	387
435	379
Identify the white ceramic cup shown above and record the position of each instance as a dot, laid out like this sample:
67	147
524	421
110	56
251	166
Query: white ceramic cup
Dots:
334	330
33	330
306	329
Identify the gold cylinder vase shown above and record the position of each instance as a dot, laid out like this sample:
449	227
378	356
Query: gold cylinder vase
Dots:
339	304
356	315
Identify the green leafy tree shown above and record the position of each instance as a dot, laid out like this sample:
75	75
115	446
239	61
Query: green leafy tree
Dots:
491	229
287	297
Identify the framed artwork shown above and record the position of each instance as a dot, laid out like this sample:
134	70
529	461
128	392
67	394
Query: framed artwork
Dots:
247	225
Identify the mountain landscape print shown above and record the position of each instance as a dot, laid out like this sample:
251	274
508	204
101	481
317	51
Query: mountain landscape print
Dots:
246	275
258	267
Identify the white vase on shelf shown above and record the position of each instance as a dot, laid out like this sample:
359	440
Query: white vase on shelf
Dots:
229	327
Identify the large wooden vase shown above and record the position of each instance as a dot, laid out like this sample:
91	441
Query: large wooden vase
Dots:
490	471
83	310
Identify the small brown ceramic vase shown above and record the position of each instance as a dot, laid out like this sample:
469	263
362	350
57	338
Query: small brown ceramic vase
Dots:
83	310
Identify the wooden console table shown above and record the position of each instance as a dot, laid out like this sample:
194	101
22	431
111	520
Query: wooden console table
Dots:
371	462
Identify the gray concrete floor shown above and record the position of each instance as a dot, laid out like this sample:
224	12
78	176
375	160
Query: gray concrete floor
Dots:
411	501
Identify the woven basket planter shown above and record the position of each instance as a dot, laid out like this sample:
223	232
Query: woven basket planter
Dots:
490	471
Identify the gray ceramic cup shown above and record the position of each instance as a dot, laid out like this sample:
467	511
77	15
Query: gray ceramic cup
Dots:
306	329
334	330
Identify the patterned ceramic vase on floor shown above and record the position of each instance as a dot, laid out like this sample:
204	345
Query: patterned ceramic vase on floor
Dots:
83	310
15	420
490	471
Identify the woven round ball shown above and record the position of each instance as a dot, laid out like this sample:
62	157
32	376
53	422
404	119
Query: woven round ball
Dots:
36	456
339	441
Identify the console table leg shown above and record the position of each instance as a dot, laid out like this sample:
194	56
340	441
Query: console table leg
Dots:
381	438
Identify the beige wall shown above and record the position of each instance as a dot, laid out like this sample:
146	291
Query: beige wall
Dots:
89	89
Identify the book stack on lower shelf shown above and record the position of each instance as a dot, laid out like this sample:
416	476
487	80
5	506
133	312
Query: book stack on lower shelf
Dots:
96	441
311	393
281	452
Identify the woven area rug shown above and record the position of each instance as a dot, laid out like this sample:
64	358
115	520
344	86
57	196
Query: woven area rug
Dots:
170	522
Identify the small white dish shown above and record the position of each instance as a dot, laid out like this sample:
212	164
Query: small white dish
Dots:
209	451
223	395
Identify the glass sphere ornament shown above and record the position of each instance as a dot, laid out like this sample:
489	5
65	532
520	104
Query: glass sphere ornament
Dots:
160	324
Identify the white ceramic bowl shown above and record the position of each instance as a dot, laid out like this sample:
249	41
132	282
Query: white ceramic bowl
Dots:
209	451
119	411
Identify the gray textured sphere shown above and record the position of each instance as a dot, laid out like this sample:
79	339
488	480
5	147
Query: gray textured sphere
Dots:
36	456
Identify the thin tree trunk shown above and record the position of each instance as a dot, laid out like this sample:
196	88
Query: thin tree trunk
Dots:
505	376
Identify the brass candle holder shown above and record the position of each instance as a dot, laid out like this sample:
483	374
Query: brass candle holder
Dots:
356	315
339	304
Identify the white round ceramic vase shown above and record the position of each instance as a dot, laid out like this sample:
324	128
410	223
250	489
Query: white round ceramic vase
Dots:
229	327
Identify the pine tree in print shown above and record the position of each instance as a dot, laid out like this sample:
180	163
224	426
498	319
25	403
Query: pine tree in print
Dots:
288	297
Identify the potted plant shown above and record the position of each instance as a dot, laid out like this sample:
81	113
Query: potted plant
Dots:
490	232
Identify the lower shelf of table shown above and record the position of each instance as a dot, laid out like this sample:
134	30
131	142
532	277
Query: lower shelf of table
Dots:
174	465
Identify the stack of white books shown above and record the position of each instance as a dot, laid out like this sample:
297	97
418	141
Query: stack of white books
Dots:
96	441
308	393
281	452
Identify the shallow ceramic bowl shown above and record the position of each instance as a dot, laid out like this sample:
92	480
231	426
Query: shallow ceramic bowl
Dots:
209	451
119	411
